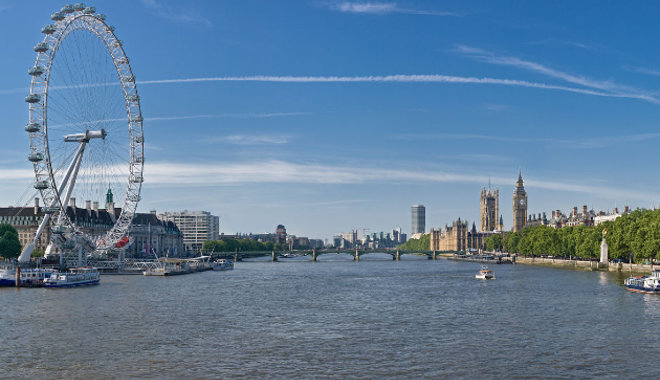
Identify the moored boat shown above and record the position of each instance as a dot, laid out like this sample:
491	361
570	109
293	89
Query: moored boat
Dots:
222	264
74	277
35	277
7	277
644	284
485	274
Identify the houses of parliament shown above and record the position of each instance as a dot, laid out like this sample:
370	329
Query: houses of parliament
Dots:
459	237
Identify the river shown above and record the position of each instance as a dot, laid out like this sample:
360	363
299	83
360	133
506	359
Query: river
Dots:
335	319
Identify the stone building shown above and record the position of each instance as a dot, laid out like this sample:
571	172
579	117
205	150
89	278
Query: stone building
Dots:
458	237
95	222
490	219
585	218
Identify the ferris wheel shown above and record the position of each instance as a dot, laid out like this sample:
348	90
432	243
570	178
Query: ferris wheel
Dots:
85	127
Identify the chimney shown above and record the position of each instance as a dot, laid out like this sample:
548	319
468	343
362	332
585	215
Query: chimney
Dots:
616	211
153	212
95	206
36	205
626	209
584	210
72	202
88	205
574	211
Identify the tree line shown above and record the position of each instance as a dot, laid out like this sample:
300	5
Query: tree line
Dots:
421	244
633	236
243	245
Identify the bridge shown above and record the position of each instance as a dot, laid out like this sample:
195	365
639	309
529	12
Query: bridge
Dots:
137	266
315	253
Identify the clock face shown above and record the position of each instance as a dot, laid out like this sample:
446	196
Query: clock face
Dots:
521	202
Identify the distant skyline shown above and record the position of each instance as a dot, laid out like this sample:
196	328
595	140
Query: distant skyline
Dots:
327	116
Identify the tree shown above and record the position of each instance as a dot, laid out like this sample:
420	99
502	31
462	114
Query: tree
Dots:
421	244
10	246
494	242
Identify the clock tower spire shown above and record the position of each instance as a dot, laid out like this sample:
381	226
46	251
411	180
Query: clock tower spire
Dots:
519	205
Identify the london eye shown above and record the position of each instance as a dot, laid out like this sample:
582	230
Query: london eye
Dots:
85	128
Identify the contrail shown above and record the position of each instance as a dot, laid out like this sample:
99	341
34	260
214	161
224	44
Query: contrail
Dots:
400	78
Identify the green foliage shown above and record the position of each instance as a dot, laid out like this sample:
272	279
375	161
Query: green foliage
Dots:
243	245
636	234
421	244
494	242
10	246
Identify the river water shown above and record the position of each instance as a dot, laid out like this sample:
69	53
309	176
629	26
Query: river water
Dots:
335	319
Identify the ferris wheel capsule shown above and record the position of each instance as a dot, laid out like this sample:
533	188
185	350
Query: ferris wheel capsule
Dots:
57	16
49	29
79	7
68	9
32	127
36	70
41	47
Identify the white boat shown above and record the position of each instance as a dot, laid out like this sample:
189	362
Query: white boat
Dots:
222	264
7	277
35	277
74	277
644	284
485	274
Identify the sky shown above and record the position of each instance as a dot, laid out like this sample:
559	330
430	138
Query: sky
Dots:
327	116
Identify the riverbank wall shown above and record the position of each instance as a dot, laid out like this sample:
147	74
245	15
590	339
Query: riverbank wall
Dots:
587	265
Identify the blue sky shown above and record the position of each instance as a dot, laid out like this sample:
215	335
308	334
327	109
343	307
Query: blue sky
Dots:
331	115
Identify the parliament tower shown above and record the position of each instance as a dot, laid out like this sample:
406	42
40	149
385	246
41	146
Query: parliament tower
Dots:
489	210
519	205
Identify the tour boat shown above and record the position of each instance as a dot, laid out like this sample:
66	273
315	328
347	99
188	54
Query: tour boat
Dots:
485	274
35	277
168	269
74	277
644	284
222	264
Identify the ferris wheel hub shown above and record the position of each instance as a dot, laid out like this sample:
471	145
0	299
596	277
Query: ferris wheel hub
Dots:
86	136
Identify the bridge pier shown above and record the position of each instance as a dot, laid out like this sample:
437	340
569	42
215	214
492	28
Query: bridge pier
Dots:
396	257
357	255
273	257
236	255
434	255
314	255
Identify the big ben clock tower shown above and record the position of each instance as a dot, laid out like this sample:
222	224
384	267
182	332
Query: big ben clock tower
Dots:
519	205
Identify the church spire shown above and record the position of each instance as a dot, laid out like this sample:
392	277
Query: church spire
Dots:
520	180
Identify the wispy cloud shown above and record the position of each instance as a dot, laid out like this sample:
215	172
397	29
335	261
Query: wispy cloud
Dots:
379	8
592	143
274	171
169	174
4	7
554	41
251	139
643	70
249	115
179	14
609	87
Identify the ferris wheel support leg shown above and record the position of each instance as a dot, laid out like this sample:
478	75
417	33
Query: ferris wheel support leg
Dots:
75	165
